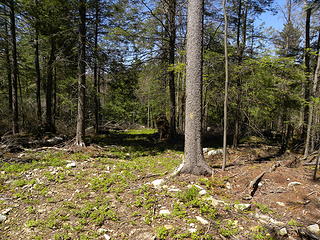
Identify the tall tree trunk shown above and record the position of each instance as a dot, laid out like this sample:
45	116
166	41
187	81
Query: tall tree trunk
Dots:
311	107
307	71
313	133
15	108
38	74
240	51
239	27
225	110
194	161
8	68
171	51
54	96
82	75
95	71
49	125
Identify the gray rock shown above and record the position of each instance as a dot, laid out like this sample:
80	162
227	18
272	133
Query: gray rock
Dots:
281	204
6	211
314	228
283	232
2	218
291	184
192	230
102	230
242	206
157	183
71	165
168	227
215	152
164	212
268	220
228	186
107	237
202	220
202	192
215	202
174	189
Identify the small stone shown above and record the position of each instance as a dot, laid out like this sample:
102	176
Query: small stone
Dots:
2	218
291	238
283	232
291	184
107	237
102	230
228	186
202	192
168	227
6	211
192	230
205	150
266	219
278	190
260	184
281	204
247	197
202	220
215	152
242	206
214	202
157	183
71	165
174	189
164	212
199	187
314	228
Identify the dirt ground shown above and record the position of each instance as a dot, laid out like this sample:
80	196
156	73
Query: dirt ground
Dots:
121	190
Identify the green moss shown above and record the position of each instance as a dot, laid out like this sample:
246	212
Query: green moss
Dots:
189	195
33	223
263	208
179	210
229	228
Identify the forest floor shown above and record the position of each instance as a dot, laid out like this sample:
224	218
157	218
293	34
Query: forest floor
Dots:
117	188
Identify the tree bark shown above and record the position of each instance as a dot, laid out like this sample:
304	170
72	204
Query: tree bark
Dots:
38	74
15	70
49	125
225	86
307	71
240	51
38	77
8	68
194	161
80	134
171	60
311	107
95	70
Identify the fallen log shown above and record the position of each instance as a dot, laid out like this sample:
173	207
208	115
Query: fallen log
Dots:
254	184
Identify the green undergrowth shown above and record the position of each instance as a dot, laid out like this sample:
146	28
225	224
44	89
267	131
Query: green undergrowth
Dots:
109	187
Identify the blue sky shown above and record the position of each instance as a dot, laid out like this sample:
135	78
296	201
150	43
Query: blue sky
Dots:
270	20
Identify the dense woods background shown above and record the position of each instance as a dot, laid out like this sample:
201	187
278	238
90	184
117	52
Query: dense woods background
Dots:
69	65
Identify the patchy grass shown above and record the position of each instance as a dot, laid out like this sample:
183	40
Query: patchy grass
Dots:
109	191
